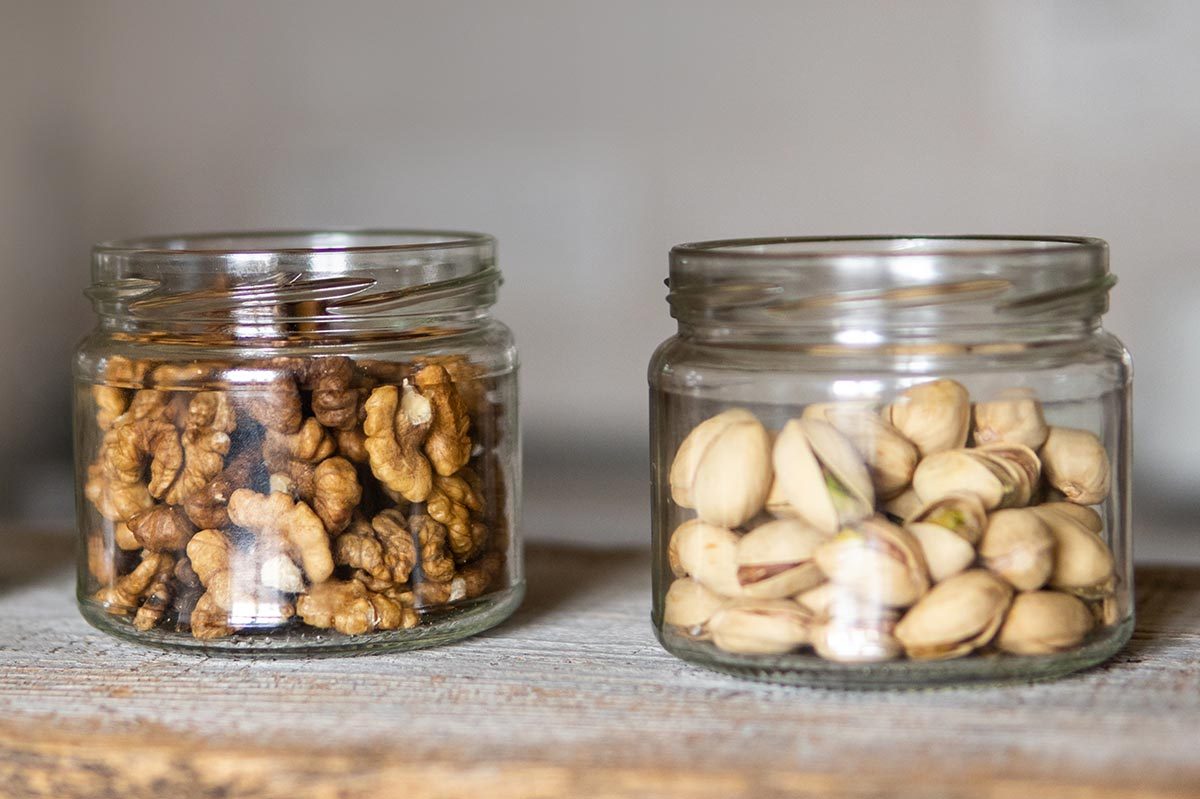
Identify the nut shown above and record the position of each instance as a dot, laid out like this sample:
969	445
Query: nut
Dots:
449	443
1044	622
890	457
1084	563
822	476
855	636
775	559
962	514
708	553
946	553
1021	462
336	493
877	561
723	469
161	528
282	521
935	416
1080	513
903	505
689	605
1014	417
967	471
1077	465
760	626
957	616
396	428
1019	547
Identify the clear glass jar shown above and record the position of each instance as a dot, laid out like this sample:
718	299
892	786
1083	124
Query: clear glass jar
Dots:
885	462
297	443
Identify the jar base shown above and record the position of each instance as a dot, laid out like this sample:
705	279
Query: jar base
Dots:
811	671
436	629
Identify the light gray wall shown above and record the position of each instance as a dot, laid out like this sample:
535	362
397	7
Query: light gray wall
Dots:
589	137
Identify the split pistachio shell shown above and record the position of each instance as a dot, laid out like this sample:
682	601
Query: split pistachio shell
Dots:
1083	564
689	605
820	599
1022	463
858	638
946	553
1043	622
904	504
760	626
777	504
1019	547
935	416
958	512
775	559
1086	516
877	561
723	468
822	476
1077	465
889	456
1014	417
707	553
967	471
956	617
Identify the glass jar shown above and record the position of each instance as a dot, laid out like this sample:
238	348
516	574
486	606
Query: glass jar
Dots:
297	443
891	461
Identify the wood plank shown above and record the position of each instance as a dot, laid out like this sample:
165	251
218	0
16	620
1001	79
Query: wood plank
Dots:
573	697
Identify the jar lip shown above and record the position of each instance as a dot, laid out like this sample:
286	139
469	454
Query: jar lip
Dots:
816	248
254	242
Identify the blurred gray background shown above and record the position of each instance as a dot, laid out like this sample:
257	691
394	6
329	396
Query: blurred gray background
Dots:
589	137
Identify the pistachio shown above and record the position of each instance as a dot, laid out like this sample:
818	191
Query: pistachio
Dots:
777	504
821	475
1043	622
1019	547
1014	417
877	561
708	554
1077	465
760	626
820	599
1084	563
850	637
723	468
1080	513
903	505
946	552
960	513
776	559
956	617
1019	461
934	416
889	456
689	605
968	471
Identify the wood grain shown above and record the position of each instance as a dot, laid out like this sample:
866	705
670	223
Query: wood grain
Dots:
573	697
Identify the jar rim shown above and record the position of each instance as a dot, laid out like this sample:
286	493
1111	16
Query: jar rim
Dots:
884	246
253	242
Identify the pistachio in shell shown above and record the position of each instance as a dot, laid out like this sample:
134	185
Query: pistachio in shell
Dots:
903	505
946	552
1014	417
760	626
1076	464
967	471
1044	622
1021	463
935	416
723	468
821	475
707	553
1083	563
689	605
1086	516
1019	547
956	617
889	456
775	559
851	637
961	513
877	561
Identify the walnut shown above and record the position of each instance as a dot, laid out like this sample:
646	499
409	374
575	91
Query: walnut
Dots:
479	576
451	503
208	620
310	443
335	403
277	405
352	445
206	507
210	419
449	443
123	596
466	374
124	537
388	372
115	500
161	528
351	608
395	428
171	375
147	403
209	554
383	549
127	448
281	521
436	564
158	598
101	559
336	493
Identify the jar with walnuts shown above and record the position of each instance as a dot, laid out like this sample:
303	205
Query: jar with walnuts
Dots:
891	462
293	443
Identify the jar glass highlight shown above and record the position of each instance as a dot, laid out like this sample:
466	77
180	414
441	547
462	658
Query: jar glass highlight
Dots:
297	443
891	461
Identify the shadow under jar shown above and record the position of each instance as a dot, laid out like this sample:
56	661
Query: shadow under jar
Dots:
297	443
891	462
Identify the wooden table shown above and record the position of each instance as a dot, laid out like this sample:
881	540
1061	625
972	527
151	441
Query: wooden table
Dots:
573	697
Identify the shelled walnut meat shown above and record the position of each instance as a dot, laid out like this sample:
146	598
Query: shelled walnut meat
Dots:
929	528
341	495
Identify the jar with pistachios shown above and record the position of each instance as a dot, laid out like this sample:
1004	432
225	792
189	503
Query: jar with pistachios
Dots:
891	462
297	443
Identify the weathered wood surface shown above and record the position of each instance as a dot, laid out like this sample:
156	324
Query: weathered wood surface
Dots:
573	697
